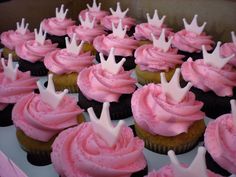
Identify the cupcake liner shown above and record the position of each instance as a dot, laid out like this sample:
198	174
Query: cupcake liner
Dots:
60	40
128	65
5	115
87	47
118	110
181	143
36	69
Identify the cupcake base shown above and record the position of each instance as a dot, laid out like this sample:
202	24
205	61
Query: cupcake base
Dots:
181	143
60	40
36	69
5	115
87	47
7	51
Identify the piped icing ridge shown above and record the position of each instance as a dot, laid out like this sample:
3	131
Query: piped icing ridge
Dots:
40	121
100	85
154	112
84	150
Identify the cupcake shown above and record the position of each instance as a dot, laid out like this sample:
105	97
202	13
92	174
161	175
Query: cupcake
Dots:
196	169
108	20
107	82
32	53
124	45
152	59
213	79
39	118
14	84
56	27
12	38
220	140
228	49
66	64
190	40
97	148
86	32
166	119
94	11
153	26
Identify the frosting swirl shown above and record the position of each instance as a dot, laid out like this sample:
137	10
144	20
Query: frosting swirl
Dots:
228	49
192	42
151	58
40	121
33	51
62	61
220	140
206	77
79	149
100	85
143	31
154	113
94	13
12	38
123	47
56	26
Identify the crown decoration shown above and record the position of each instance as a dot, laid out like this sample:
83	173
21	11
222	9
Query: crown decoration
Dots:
193	27
95	7
161	42
72	47
196	169
233	37
87	22
155	21
119	31
60	15
22	27
118	12
104	127
214	58
49	95
110	64
233	110
173	89
40	36
9	70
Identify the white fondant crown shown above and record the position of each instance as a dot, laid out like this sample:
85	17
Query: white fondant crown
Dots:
40	36
233	37
214	58
110	64
161	42
119	31
233	110
155	20
94	7
72	47
173	89
118	12
196	169
87	22
60	15
9	71
193	26
103	126
22	27
49	95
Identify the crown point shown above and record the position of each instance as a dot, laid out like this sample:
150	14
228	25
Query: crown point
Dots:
233	110
9	71
94	7
161	42
103	127
40	36
118	12
87	23
155	21
22	27
214	59
193	26
233	37
72	47
61	15
119	31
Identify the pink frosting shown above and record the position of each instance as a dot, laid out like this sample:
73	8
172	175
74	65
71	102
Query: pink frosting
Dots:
192	42
12	38
3	106
228	49
12	91
61	61
123	47
40	121
143	31
78	150
100	85
151	58
92	13
153	112
85	34
220	140
167	171
126	21
33	51
56	26
206	77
